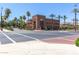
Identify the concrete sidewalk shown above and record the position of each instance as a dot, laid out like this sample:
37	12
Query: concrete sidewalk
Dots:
38	48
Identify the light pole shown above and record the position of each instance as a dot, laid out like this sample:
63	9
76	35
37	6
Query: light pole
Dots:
1	18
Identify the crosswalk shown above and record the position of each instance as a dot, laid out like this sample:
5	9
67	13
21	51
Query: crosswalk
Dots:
23	36
4	39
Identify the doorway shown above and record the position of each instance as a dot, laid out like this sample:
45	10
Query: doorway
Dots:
42	25
34	25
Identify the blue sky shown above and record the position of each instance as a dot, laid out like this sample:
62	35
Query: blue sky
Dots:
19	9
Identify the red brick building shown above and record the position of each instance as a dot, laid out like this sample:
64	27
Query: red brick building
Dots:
40	22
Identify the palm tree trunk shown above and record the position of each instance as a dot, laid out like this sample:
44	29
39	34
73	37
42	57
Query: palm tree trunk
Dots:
64	23
75	22
28	17
52	23
59	23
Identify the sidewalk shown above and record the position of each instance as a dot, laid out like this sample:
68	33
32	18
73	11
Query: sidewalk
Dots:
62	40
38	48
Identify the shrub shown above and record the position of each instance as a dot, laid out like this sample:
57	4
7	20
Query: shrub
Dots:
9	28
77	42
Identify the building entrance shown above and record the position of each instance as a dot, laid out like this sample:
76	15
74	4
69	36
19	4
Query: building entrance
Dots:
42	25
34	25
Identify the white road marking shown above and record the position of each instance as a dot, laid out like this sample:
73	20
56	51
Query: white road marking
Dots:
26	36
8	37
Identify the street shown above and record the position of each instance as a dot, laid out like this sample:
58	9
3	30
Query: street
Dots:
23	35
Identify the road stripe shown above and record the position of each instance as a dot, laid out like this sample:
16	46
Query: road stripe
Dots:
26	36
8	37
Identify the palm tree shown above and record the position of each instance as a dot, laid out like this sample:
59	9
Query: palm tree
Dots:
15	18
52	17
1	19
21	17
28	14
15	22
7	13
59	17
75	11
64	17
24	18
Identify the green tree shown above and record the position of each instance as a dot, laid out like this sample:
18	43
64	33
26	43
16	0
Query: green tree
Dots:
15	22
28	14
21	22
7	13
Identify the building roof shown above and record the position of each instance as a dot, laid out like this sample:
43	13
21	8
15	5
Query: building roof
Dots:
39	15
52	19
29	20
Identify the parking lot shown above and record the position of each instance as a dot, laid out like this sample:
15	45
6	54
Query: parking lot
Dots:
24	36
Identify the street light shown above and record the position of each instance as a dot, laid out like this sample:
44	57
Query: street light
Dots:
1	18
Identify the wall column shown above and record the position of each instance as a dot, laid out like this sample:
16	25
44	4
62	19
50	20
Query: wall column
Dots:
36	23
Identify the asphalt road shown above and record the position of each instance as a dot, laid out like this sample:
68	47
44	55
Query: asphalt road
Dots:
23	36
